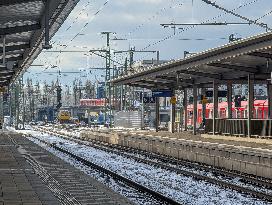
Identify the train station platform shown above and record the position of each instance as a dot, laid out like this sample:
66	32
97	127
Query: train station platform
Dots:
250	156
30	175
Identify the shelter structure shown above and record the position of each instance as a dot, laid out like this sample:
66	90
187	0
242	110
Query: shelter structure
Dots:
26	27
247	61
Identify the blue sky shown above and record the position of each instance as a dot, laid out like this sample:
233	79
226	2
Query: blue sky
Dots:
139	21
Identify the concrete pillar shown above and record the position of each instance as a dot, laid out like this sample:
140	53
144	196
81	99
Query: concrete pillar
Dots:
229	98
215	105
250	103
269	94
185	109
195	109
157	110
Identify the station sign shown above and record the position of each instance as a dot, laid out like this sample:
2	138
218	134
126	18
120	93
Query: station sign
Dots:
209	93
221	93
149	100
173	100
162	93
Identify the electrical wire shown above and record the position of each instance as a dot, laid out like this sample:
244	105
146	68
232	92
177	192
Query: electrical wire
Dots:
91	19
151	18
157	14
80	13
84	26
236	14
193	26
270	12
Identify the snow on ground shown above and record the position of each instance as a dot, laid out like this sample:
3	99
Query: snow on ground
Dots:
132	194
76	133
183	189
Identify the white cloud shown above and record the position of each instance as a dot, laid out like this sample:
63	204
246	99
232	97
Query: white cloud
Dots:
142	18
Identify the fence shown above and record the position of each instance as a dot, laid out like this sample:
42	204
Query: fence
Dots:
128	119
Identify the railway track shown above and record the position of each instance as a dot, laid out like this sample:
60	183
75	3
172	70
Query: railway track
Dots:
163	162
130	183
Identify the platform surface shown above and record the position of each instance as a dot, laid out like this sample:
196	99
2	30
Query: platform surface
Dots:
30	175
220	139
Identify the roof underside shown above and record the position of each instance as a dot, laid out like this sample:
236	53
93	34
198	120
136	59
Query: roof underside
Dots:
22	24
231	62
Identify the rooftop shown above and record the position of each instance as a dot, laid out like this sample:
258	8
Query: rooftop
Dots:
233	61
22	31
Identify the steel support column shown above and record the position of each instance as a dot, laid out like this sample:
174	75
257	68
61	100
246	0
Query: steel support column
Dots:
46	26
1	108
4	51
195	108
173	117
142	109
215	105
250	103
229	98
269	94
185	109
157	114
203	93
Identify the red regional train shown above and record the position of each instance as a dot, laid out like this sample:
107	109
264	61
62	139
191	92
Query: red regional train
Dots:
260	110
92	102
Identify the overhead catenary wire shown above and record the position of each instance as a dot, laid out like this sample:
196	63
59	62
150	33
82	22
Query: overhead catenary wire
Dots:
85	7
85	25
151	18
79	14
193	26
261	17
91	19
263	25
158	13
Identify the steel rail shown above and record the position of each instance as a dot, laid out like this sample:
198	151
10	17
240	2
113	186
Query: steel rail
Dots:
114	175
166	159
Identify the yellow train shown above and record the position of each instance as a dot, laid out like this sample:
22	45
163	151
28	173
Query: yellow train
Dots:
64	116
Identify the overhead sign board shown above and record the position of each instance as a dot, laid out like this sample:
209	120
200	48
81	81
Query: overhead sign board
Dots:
149	100
221	93
162	93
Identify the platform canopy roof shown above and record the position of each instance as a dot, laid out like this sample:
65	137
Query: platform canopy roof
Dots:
22	28
233	61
